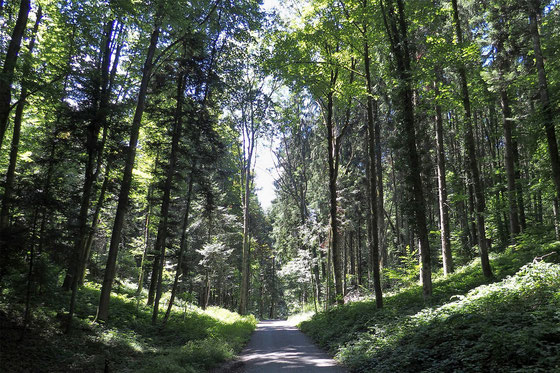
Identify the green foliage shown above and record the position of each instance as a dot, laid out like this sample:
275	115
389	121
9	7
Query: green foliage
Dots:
193	340
509	325
406	273
297	318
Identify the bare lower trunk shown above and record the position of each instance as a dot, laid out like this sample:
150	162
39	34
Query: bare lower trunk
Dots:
246	260
519	187
396	27
480	203
508	127
380	205
182	247
164	212
373	140
153	281
110	269
93	228
510	166
556	211
29	286
146	239
334	243
442	192
93	130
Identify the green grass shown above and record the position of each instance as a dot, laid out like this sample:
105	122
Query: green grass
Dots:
194	340
509	324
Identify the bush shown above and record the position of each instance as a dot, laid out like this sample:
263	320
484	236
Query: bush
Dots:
512	325
194	340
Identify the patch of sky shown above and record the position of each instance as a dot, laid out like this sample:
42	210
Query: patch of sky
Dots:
548	8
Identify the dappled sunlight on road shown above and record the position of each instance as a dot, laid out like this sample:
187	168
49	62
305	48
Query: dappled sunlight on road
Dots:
278	345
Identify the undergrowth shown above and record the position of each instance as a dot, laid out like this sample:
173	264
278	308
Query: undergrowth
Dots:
508	324
193	340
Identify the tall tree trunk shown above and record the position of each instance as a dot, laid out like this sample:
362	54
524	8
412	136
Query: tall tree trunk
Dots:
373	140
510	165
110	270
101	103
519	186
480	203
29	285
396	202
153	281
382	243
207	290
170	174
334	243
546	106
473	237
442	189
556	212
10	174
10	60
507	122
182	247
396	26
273	300
93	228
246	255
146	246
147	241
47	192
303	217
345	263
78	256
352	254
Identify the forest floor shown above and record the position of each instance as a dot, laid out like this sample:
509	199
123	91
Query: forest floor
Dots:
192	341
510	323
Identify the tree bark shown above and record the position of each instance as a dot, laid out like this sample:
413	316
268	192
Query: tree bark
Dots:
10	174
546	106
480	202
182	247
502	62
519	186
556	212
382	244
333	176
161	237
249	135
510	165
101	103
373	140
151	293
110	270
7	74
93	228
396	26
442	189
78	256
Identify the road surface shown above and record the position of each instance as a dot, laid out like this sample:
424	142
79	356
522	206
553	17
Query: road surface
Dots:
278	346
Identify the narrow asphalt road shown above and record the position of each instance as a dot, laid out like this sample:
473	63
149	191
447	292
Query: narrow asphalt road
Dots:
277	346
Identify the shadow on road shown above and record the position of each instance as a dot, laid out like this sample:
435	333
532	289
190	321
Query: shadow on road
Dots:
277	346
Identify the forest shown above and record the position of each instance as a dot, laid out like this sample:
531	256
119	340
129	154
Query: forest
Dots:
416	218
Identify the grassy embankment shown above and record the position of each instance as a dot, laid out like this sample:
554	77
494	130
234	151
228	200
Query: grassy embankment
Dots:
510	324
193	340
